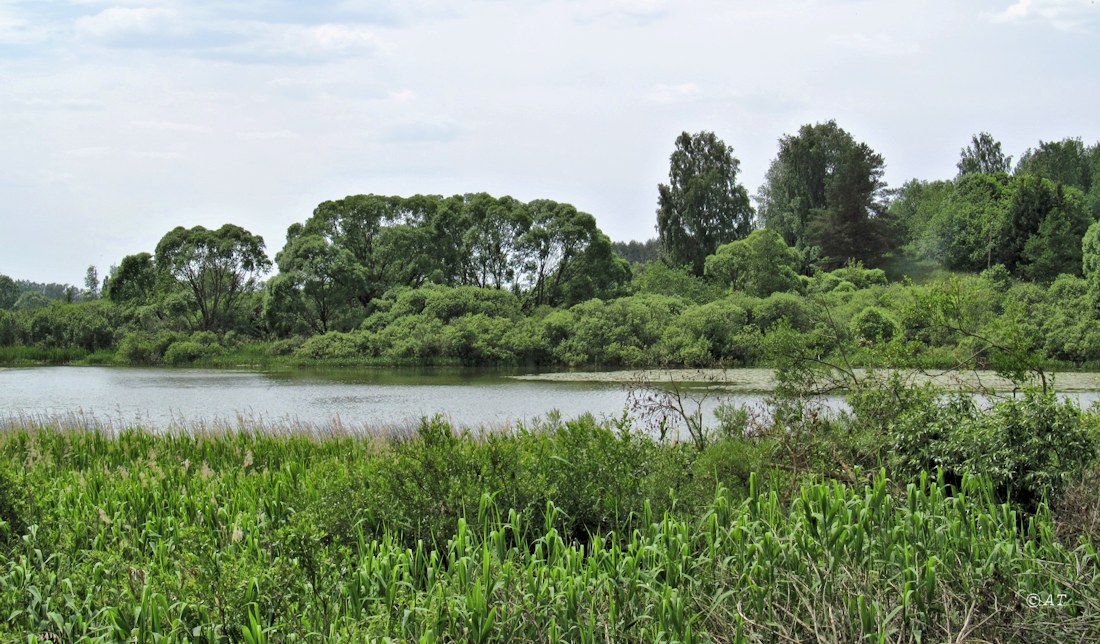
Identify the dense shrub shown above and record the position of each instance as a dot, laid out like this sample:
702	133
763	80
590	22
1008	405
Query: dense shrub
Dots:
1029	447
783	306
185	352
334	346
874	325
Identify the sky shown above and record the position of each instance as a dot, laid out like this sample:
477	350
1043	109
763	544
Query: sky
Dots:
123	119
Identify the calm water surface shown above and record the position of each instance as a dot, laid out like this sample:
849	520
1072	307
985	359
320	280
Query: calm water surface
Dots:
182	398
313	399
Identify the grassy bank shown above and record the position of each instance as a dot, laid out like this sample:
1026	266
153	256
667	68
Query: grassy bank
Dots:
575	531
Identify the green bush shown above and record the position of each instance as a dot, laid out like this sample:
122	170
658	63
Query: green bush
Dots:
873	324
783	306
141	347
1028	447
185	352
334	346
286	346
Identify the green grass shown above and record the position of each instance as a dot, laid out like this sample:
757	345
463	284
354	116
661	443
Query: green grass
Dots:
575	531
20	355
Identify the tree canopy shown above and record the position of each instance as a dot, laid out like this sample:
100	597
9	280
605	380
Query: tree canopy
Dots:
983	156
215	266
703	206
825	190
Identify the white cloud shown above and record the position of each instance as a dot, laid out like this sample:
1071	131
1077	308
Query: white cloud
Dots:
1067	15
114	22
878	44
422	131
170	126
37	103
268	135
157	155
87	152
318	40
665	93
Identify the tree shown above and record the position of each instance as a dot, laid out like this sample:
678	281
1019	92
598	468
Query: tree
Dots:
133	281
316	286
1090	262
825	190
1056	245
914	210
217	267
383	234
91	283
1067	161
9	293
637	252
983	156
702	206
566	258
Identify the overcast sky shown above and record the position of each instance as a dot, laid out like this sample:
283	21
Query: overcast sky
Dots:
126	118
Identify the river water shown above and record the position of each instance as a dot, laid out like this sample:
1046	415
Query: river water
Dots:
325	400
314	399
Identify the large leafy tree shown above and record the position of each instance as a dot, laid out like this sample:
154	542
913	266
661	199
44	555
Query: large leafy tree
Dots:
134	280
703	205
565	256
1067	161
316	287
983	156
1044	225
1070	162
9	292
216	267
824	190
386	236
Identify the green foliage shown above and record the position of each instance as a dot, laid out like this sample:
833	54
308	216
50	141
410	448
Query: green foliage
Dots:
760	264
825	190
983	156
13	509
134	281
1090	262
619	332
9	293
1029	447
187	352
703	206
143	348
334	346
709	334
575	531
661	279
873	324
217	267
784	307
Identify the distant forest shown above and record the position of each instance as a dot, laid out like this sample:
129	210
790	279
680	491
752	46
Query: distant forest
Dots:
479	279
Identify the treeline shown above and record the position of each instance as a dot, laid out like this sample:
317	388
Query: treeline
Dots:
478	279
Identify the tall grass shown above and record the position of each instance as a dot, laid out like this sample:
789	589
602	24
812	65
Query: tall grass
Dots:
554	533
27	355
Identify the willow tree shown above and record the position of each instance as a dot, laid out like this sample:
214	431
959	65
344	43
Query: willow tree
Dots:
217	267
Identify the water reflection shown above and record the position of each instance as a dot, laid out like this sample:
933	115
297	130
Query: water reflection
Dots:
354	399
